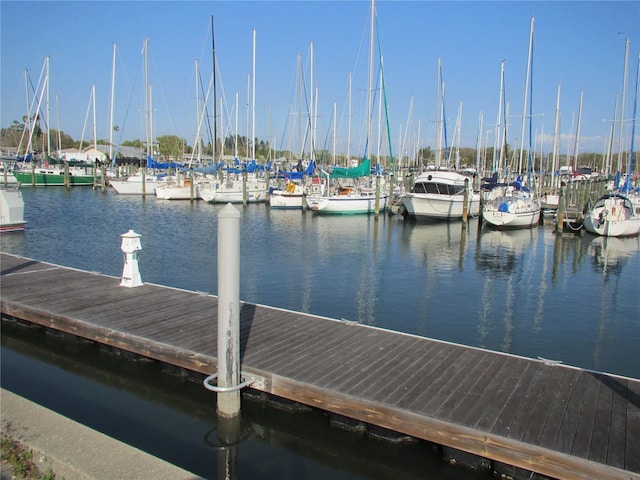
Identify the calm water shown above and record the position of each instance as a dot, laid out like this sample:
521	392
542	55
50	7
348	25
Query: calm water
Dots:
531	293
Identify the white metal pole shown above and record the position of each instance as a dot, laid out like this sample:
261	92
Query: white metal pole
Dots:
228	403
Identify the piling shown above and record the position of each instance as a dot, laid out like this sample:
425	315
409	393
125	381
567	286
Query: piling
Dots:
465	202
244	187
228	402
561	208
377	203
67	182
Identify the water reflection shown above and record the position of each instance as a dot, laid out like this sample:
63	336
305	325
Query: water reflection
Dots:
501	255
610	254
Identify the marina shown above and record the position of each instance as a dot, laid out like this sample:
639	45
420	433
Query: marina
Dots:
403	276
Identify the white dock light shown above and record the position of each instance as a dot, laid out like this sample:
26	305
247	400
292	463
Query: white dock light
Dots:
131	246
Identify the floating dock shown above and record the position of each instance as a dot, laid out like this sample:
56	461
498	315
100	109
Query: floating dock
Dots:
536	415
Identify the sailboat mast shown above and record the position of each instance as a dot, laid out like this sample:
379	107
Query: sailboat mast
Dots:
526	93
633	129
624	95
370	93
58	122
93	106
349	127
112	101
215	112
311	105
147	95
556	140
47	110
577	138
253	100
438	116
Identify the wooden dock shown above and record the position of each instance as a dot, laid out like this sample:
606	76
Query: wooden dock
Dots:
556	420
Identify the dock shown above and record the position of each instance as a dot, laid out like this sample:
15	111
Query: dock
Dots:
532	414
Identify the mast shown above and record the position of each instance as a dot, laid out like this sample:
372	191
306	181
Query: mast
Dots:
633	129
235	148
370	93
197	148
526	93
556	140
312	106
47	110
147	97
577	138
93	106
253	99
112	101
624	95
349	129
438	116
215	112
58	122
498	141
607	168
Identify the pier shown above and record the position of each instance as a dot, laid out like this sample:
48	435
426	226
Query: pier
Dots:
531	414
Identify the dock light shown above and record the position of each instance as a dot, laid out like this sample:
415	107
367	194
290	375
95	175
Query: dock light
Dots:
131	246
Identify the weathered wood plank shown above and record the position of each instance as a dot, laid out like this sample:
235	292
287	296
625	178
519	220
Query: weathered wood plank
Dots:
632	448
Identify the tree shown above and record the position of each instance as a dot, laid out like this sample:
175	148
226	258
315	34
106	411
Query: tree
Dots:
170	146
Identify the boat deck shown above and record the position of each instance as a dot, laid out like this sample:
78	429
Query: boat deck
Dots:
540	416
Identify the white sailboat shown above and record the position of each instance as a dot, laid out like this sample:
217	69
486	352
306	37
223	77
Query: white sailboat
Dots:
515	205
617	214
142	183
362	194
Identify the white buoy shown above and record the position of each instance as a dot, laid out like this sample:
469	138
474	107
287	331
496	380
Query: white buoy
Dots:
131	246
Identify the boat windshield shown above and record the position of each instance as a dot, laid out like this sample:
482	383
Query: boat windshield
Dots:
437	188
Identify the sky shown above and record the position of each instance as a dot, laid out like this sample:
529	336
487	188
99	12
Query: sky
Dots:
577	45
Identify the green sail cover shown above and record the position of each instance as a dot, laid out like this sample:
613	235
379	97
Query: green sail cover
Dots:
362	170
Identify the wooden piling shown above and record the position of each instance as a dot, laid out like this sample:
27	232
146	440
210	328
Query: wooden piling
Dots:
465	203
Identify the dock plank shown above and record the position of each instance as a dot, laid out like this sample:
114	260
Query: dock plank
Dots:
552	419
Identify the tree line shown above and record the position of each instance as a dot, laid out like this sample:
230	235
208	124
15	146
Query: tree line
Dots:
175	148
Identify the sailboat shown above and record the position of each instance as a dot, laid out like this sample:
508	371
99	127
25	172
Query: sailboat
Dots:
51	173
244	182
514	205
143	183
352	190
617	213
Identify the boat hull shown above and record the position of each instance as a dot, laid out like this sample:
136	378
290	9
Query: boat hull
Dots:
503	220
439	207
52	179
234	192
135	187
346	205
175	192
282	200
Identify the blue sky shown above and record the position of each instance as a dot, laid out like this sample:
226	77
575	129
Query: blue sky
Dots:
578	44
